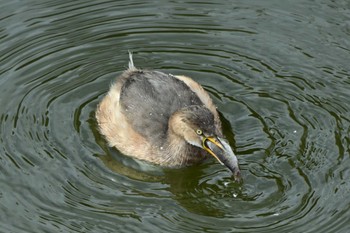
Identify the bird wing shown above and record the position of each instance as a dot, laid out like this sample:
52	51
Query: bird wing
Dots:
149	98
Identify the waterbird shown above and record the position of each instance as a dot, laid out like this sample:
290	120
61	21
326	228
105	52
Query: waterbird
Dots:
167	120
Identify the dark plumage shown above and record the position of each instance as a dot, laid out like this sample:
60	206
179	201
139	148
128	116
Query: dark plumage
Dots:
149	98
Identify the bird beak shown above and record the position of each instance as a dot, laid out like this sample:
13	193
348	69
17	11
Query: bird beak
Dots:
221	150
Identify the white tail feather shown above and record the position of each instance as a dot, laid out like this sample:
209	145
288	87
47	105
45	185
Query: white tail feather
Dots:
131	62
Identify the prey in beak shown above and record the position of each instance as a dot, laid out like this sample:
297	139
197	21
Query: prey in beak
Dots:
221	150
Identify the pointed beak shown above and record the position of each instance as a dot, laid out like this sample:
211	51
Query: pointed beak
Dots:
221	150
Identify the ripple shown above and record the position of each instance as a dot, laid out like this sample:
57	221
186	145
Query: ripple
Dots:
277	72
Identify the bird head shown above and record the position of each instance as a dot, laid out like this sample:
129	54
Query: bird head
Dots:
197	126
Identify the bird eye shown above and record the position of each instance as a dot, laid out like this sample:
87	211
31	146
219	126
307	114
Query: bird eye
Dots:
199	132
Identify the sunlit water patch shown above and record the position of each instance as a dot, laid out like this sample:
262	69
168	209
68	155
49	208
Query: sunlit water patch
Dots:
277	71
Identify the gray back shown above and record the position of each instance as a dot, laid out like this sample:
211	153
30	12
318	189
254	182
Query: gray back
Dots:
149	98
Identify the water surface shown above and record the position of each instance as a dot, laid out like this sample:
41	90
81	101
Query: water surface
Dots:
278	72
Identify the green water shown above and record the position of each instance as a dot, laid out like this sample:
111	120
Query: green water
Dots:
277	70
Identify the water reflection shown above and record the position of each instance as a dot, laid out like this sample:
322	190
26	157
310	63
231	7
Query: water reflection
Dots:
277	71
188	186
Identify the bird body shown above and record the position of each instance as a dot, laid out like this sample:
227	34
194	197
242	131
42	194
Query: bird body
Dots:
160	118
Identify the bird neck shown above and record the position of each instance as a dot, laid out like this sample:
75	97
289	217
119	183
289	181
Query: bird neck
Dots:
178	151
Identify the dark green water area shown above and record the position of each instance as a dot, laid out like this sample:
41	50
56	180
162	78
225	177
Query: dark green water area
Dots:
278	71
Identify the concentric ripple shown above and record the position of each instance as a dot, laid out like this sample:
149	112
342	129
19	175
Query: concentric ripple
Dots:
277	71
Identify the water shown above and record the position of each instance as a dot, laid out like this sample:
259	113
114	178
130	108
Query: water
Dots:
278	72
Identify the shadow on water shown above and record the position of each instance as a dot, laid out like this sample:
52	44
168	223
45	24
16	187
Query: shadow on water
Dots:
188	186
